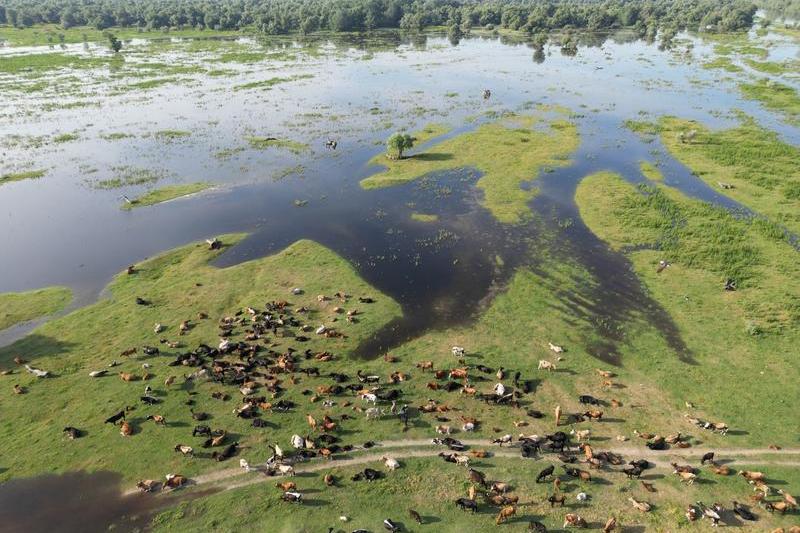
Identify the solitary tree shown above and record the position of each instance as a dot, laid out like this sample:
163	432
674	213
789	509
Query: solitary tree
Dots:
397	144
113	43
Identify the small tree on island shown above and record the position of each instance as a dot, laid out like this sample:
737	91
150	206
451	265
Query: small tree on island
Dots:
113	43
397	144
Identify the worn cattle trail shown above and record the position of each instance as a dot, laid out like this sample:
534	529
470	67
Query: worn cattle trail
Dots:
411	448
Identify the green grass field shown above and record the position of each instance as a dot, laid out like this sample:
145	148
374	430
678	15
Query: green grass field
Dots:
17	307
762	169
508	152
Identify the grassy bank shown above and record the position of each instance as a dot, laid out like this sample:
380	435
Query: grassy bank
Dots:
761	169
165	194
18	307
741	339
508	152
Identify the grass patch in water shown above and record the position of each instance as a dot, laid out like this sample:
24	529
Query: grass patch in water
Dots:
65	138
773	67
262	143
165	194
775	97
508	152
171	135
126	176
722	63
19	176
650	171
268	84
147	84
762	170
41	63
18	307
424	217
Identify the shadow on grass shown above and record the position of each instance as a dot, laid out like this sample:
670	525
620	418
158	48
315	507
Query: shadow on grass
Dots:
33	346
430	157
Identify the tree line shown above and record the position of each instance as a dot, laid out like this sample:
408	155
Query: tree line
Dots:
308	16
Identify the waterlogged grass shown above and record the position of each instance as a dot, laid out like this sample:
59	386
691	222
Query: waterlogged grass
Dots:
172	135
763	170
772	67
262	143
179	285
742	340
424	217
65	138
722	63
18	307
147	84
40	63
19	176
268	84
127	176
165	194
776	97
508	152
650	171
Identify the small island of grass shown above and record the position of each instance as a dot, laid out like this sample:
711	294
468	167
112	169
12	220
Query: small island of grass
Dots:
165	194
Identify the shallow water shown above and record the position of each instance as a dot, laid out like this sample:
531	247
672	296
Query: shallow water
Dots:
62	230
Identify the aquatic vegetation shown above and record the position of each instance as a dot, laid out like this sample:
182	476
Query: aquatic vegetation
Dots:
748	163
508	152
271	82
165	194
126	176
775	97
650	171
23	175
261	143
772	67
171	135
38	64
424	217
66	137
724	63
18	307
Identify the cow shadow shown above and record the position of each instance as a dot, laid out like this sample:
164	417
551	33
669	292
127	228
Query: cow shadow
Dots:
34	345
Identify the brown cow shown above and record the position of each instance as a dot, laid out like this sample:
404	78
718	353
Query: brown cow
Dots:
505	514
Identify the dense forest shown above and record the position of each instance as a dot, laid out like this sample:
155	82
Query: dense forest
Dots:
782	9
306	16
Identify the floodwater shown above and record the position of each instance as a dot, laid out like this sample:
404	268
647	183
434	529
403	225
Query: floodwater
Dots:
63	230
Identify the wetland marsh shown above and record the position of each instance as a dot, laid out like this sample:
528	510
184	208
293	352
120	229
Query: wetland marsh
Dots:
541	213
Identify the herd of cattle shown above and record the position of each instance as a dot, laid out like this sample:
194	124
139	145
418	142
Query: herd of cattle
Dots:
254	370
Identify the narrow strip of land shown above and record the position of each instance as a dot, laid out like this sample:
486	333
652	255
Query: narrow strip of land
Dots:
413	448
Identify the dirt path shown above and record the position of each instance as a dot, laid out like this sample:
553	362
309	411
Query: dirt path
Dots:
411	448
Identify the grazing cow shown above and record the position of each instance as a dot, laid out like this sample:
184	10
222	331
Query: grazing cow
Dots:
574	520
298	442
148	485
286	470
505	439
72	433
610	525
369	397
458	351
125	429
556	499
743	512
97	373
286	486
185	450
544	474
373	413
707	458
686	477
391	463
752	476
415	516
781	507
467	505
640	505
477	477
632	472
113	419
581	434
546	365
175	481
292	497
425	365
505	513
127	376
158	419
555	348
593	414
390	526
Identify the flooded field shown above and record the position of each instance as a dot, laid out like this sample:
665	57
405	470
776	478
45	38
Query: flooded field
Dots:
242	124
